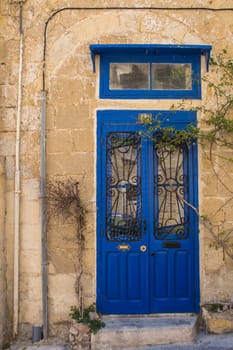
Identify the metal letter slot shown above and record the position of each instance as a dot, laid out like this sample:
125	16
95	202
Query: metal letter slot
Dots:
123	247
171	245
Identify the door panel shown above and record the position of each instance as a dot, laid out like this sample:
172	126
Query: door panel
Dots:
159	290
147	234
122	222
181	264
113	275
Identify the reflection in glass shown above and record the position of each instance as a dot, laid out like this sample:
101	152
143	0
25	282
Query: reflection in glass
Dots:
123	187
170	190
171	76
129	76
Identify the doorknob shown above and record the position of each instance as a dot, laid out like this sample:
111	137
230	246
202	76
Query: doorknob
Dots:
153	254
143	248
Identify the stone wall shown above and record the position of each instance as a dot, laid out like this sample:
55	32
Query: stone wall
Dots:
72	101
4	321
8	102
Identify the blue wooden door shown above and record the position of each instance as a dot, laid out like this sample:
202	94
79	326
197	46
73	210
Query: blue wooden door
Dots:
147	244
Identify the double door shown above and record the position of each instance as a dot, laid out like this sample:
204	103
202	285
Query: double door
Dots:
147	238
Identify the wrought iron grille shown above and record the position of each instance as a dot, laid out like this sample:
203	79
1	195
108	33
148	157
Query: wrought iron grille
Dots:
171	188
123	187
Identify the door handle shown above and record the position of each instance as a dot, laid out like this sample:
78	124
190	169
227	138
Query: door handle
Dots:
143	248
153	254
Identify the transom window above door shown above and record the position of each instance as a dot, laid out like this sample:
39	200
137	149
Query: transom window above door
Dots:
150	76
150	71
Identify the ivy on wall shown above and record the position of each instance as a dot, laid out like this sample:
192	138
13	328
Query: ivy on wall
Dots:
215	136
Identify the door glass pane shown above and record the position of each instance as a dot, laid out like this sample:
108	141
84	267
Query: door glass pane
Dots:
123	187
129	76
170	184
171	76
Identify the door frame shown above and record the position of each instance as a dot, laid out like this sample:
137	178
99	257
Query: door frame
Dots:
171	118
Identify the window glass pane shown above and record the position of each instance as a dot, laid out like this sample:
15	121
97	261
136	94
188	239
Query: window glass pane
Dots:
172	76
170	189
129	76
123	187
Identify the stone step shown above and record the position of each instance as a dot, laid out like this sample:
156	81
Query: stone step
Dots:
132	332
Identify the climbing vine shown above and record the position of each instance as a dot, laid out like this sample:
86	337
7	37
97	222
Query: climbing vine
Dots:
215	134
63	200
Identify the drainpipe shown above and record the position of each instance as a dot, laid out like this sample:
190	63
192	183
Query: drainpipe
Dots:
43	215
17	179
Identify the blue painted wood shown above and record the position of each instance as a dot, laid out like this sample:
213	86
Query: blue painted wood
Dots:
149	49
106	92
160	279
150	54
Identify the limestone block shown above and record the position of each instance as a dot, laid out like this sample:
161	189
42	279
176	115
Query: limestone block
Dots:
89	261
62	295
30	212
30	141
31	118
9	204
12	73
30	160
3	73
72	117
62	235
50	117
228	211
225	184
2	171
8	95
31	189
59	141
214	211
30	163
30	236
210	184
213	282
30	312
90	236
83	140
3	51
154	23
7	144
213	259
226	167
64	260
7	119
30	261
87	187
67	90
130	23
30	287
31	72
88	284
218	323
69	164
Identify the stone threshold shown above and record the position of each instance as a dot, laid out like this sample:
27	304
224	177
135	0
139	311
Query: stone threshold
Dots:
134	331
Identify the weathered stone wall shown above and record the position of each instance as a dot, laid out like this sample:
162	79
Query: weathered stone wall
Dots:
3	282
72	100
8	102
